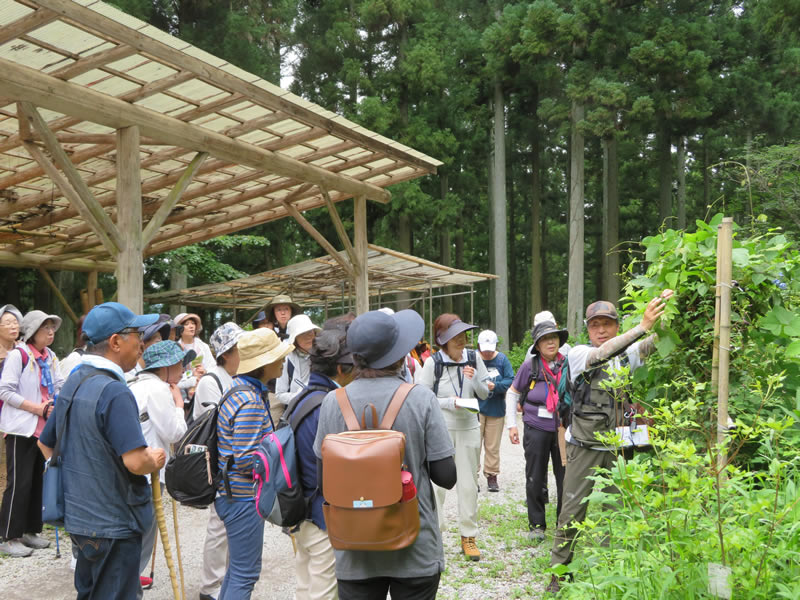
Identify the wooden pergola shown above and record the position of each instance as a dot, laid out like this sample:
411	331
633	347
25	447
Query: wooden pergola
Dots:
322	283
119	142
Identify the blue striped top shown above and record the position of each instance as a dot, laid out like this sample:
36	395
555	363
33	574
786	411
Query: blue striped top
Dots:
243	421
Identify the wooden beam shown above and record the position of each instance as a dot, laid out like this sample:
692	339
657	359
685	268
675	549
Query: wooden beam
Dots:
59	295
88	206
361	278
313	232
29	85
172	199
130	267
26	260
26	24
217	77
340	230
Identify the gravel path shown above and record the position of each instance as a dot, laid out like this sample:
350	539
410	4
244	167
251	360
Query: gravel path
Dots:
509	568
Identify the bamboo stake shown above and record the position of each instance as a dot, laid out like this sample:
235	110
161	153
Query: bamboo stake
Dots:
715	351
162	528
725	277
178	547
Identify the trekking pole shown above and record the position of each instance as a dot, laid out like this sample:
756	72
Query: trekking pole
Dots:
58	548
178	546
162	527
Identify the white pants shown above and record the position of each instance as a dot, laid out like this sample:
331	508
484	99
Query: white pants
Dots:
468	452
314	564
215	555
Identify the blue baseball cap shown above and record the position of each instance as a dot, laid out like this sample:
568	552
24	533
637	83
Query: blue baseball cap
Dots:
106	319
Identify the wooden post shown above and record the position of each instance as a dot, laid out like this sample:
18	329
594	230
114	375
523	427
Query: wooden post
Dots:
361	280
91	290
59	295
724	277
130	270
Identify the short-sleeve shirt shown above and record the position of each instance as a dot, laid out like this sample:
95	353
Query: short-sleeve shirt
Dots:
427	440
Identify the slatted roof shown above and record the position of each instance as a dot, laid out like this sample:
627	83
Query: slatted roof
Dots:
317	281
68	47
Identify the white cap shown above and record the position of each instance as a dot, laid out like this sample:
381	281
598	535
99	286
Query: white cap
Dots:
487	341
543	316
386	310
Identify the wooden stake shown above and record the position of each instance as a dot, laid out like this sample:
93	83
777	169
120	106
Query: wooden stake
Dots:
130	270
361	279
155	485
178	546
725	279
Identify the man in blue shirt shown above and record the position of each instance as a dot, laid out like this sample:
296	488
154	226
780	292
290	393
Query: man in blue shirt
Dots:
104	456
493	408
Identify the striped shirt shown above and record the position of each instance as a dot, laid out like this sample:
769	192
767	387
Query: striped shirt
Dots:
243	421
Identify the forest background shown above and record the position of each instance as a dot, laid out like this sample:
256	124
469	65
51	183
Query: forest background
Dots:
569	132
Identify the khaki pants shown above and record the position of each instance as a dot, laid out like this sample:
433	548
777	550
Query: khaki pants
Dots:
314	564
491	436
215	555
581	463
468	452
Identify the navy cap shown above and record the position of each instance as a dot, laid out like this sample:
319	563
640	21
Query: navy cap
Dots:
382	339
106	319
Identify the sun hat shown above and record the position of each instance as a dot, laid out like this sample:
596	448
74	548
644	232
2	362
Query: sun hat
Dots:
162	325
487	341
260	347
601	308
382	339
181	317
10	308
260	316
165	354
281	299
33	320
298	325
225	337
546	328
456	327
104	320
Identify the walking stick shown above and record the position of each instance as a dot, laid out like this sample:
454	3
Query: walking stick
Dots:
162	527
58	548
178	546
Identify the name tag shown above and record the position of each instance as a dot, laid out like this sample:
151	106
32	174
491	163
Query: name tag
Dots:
362	503
544	413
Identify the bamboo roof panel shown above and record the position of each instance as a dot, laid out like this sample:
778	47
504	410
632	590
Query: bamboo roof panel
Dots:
319	280
96	47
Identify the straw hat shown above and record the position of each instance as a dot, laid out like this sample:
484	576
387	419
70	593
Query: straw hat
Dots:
181	317
260	347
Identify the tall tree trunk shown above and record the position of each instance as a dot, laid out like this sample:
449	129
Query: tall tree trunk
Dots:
513	267
664	154
499	226
576	200
681	167
458	302
444	246
536	209
177	281
404	244
706	176
610	268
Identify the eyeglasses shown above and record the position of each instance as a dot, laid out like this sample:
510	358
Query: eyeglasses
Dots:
133	330
48	327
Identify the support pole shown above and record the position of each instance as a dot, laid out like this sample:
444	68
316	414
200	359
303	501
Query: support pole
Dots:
130	268
361	280
73	317
725	246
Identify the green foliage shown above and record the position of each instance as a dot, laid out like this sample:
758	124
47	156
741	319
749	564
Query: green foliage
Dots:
516	355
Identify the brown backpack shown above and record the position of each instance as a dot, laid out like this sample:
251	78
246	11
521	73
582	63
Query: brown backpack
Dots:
361	481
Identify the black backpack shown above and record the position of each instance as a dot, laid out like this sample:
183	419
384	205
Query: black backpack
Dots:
438	367
192	474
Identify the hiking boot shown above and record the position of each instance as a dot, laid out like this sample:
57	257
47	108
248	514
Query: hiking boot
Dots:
491	483
470	548
536	534
32	540
15	549
555	584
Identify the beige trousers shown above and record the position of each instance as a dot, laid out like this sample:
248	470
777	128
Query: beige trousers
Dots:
314	564
468	452
215	555
491	436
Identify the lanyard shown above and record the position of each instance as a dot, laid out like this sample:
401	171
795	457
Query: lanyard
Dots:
460	375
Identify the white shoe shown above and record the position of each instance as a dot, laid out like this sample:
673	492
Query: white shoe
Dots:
35	541
15	549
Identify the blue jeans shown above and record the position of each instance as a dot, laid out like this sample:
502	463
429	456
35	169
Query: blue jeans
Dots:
107	569
245	531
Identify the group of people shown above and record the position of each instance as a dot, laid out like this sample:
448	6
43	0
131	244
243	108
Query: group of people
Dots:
119	401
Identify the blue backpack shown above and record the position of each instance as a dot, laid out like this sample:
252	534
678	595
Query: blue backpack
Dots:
279	492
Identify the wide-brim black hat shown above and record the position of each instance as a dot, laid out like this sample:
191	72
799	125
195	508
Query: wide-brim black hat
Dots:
546	328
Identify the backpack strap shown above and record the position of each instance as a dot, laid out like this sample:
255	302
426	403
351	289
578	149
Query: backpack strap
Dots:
294	420
395	405
438	369
25	356
290	371
350	418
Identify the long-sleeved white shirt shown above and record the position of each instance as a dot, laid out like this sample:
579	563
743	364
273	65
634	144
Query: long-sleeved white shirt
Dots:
454	384
207	390
165	424
285	390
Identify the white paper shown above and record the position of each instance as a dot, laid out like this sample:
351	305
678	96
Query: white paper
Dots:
470	404
544	413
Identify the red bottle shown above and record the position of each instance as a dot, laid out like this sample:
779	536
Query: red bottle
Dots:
409	489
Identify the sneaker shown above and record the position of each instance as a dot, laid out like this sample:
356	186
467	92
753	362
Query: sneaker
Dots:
536	534
145	582
35	541
470	548
206	597
15	549
491	483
